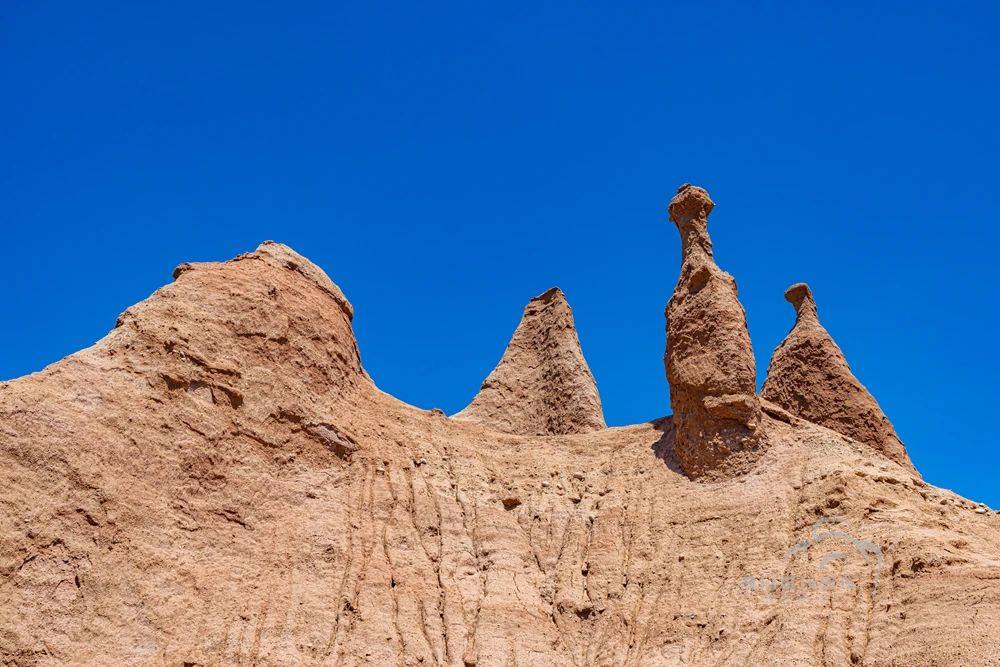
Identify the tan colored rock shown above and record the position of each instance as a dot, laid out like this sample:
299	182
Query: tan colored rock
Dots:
217	482
709	358
542	385
810	378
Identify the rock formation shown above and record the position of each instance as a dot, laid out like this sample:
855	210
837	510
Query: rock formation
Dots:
218	482
810	378
709	358
542	385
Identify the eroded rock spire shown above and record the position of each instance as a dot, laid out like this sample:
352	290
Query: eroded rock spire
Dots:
810	378
542	385
709	359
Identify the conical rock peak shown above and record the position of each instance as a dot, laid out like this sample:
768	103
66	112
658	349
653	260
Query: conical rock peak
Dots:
810	378
542	385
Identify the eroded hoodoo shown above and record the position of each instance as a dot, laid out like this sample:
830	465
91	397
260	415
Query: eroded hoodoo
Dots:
709	359
810	378
542	385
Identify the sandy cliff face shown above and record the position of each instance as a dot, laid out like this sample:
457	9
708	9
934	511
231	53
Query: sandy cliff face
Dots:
218	481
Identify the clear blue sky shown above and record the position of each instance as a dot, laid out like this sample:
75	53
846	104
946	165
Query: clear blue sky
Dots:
446	162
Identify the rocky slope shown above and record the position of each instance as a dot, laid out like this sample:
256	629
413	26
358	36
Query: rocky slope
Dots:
218	481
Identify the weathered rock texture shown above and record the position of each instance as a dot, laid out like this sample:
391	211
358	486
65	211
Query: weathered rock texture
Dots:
709	358
810	378
217	482
542	385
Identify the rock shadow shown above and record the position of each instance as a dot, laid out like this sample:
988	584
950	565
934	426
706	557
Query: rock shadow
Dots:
663	448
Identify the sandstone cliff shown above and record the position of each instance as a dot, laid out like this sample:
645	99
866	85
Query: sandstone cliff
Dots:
218	481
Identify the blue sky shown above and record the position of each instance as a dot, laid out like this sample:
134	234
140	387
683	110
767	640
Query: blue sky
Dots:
446	162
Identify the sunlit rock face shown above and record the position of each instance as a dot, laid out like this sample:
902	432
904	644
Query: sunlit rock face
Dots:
810	378
542	385
709	358
218	481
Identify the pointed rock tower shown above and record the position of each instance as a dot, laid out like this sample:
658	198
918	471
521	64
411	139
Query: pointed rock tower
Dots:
709	359
810	378
542	385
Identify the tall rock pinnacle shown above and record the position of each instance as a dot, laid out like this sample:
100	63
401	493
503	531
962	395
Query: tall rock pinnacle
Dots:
542	385
810	378
709	359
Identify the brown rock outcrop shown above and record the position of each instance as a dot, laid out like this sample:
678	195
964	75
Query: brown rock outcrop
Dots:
217	482
810	378
709	358
542	385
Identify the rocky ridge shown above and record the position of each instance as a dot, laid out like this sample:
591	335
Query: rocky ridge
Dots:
218	481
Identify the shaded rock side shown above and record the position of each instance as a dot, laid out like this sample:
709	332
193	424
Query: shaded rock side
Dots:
709	358
810	378
542	385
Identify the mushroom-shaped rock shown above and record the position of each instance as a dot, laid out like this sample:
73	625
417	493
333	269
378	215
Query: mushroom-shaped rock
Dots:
542	385
709	358
810	378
